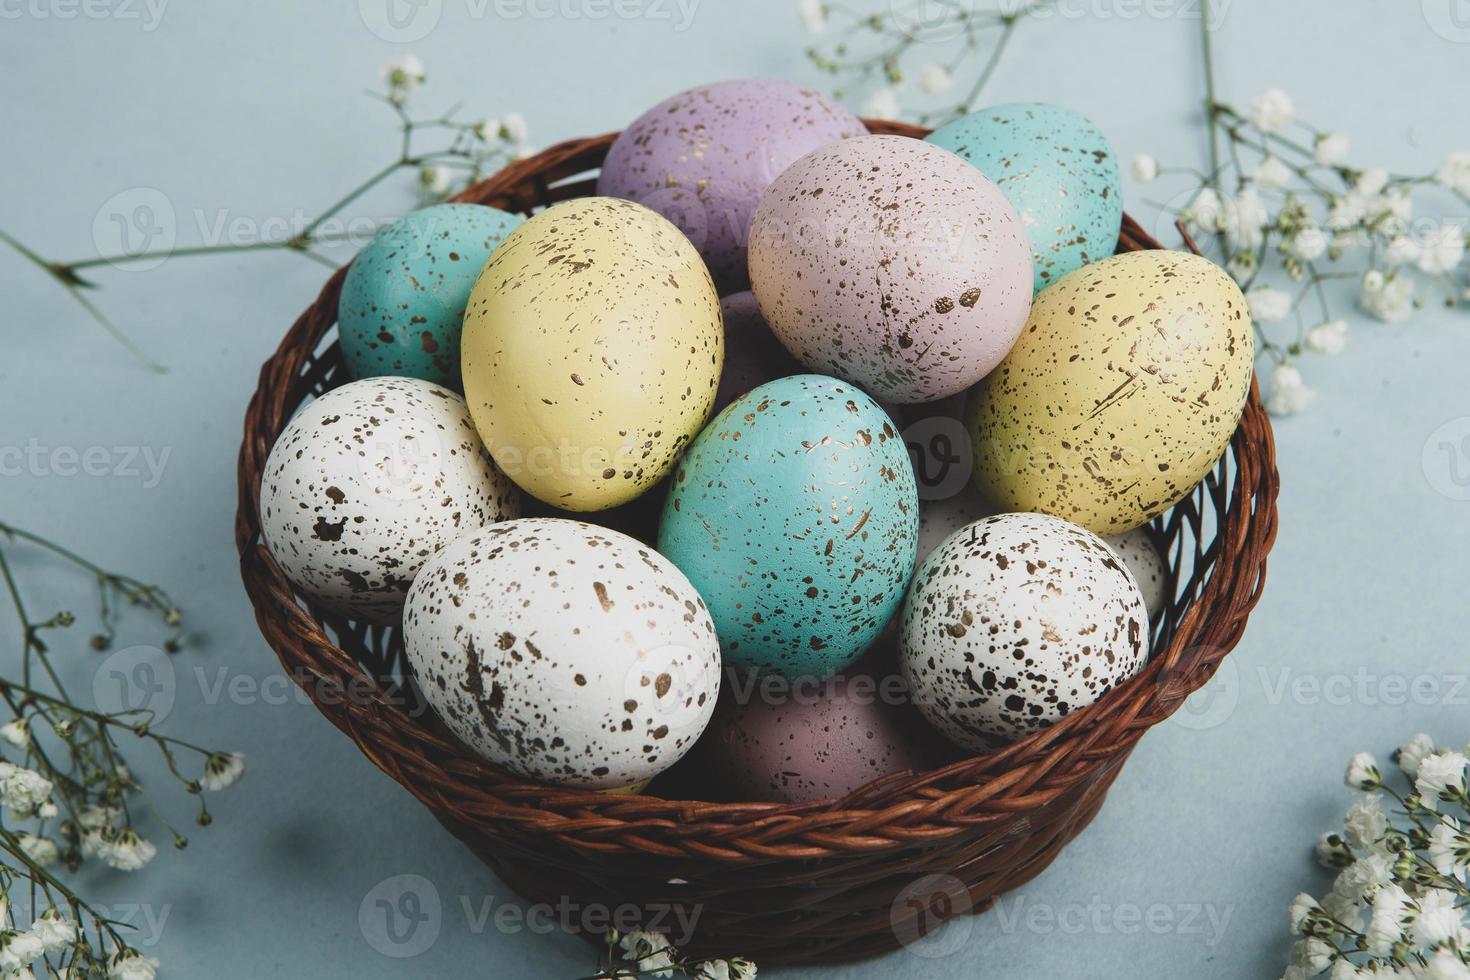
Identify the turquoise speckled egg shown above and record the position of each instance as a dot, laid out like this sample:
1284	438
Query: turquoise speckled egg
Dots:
796	516
1058	171
403	301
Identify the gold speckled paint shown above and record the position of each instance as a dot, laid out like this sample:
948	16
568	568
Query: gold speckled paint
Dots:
1121	393
592	350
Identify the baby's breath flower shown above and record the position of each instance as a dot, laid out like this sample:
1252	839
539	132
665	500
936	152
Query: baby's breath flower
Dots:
1267	305
1441	249
714	970
486	130
434	179
1441	776
935	79
124	850
813	16
882	104
1331	149
1272	110
41	850
1307	243
1366	823
1443	965
129	964
513	127
1333	851
1362	772
16	733
1371	182
1449	848
22	791
1311	954
1411	753
1145	168
1455	173
1289	395
223	770
1387	296
1271	172
403	75
1438	920
1301	907
1400	250
54	931
1386	926
1328	338
742	969
18	950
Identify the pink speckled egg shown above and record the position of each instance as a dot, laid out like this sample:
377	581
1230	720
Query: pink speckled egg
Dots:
703	157
893	264
807	740
753	355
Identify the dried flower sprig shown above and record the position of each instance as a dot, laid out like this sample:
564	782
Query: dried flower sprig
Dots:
1398	907
650	954
66	790
467	150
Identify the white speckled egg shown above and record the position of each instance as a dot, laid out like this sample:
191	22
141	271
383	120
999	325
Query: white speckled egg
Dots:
564	652
1140	551
1015	621
368	481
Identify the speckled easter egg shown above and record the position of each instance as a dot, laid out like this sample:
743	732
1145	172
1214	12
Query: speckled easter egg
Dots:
366	483
703	157
402	303
1121	393
1015	621
891	263
815	741
1059	172
1139	549
795	515
563	652
592	350
753	355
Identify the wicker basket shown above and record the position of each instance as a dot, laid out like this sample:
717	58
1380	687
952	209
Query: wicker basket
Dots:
818	882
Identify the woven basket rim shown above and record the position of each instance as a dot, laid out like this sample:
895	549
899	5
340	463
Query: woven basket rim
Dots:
898	810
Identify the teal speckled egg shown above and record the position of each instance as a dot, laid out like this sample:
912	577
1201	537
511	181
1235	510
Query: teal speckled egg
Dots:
796	516
403	301
1058	171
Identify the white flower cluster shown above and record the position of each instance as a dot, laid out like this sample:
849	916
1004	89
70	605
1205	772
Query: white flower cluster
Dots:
50	932
1396	908
1299	213
652	956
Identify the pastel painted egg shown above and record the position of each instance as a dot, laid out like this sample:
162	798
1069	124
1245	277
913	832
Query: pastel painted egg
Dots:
563	652
1140	551
1057	170
753	355
402	303
1016	621
795	515
592	350
366	483
703	157
1121	393
893	264
811	742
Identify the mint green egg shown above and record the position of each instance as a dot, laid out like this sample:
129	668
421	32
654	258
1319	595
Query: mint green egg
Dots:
796	516
1058	171
402	305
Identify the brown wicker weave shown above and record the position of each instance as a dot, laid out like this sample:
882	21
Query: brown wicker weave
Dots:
811	883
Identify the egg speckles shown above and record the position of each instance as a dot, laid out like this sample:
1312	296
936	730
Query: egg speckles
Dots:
563	652
402	303
366	483
1120	394
1014	622
592	350
703	157
1059	172
795	514
893	264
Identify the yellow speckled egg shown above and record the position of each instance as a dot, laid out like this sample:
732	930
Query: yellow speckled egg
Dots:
591	351
1121	393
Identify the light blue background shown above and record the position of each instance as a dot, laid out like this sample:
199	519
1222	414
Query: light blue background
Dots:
256	110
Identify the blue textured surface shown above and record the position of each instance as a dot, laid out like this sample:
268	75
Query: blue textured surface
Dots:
251	113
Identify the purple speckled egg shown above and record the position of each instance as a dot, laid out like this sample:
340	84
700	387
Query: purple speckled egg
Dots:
703	157
753	355
893	264
811	740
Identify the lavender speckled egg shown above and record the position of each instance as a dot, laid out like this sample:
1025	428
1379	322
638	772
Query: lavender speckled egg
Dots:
1015	621
703	157
1059	172
1121	393
753	355
402	303
795	515
366	483
807	742
563	652
1140	551
891	263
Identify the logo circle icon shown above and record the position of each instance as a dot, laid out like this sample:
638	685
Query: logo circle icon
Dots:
1450	19
1212	705
135	229
1446	459
939	449
400	21
931	21
401	916
135	679
923	906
